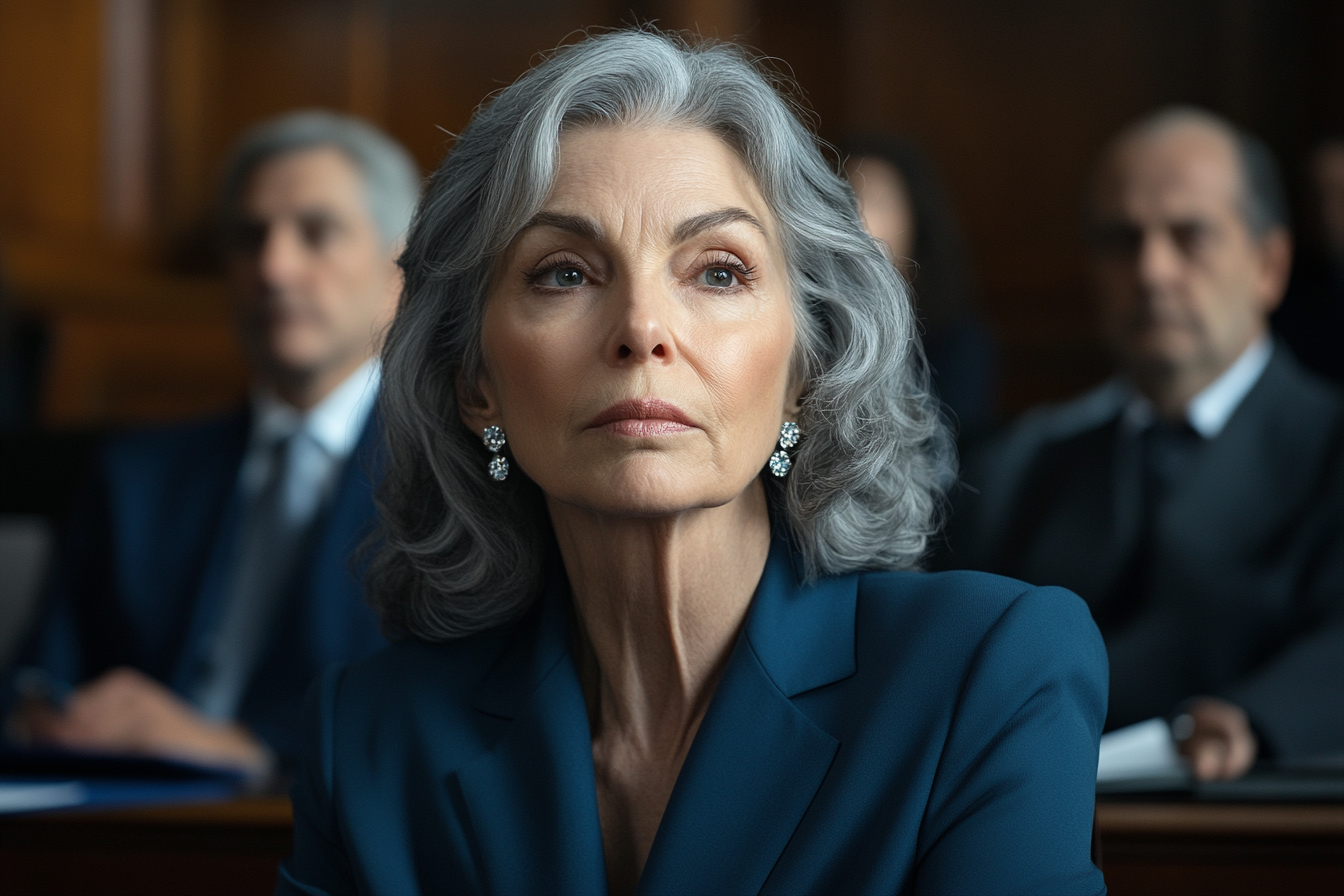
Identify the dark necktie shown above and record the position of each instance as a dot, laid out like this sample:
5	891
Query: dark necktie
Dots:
264	564
1168	452
1169	449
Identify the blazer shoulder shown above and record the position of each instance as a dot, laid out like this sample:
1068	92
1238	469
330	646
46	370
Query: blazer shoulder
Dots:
960	609
1295	392
409	673
1018	443
953	591
163	448
995	477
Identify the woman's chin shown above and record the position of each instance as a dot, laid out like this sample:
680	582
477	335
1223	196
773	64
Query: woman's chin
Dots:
648	498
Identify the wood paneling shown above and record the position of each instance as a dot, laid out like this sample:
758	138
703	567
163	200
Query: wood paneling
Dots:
50	57
121	370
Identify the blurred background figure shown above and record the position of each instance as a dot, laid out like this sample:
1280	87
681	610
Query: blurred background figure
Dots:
904	206
23	343
1311	318
1196	502
207	575
25	534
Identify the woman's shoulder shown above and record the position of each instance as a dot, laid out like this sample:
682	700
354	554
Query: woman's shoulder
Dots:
967	596
410	672
964	613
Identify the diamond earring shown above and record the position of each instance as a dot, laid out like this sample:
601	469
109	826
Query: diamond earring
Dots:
493	437
780	461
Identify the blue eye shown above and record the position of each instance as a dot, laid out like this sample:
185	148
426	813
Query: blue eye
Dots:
720	277
567	277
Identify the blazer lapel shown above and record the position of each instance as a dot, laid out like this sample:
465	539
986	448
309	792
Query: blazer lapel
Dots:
531	802
223	540
1127	507
1078	522
757	760
328	615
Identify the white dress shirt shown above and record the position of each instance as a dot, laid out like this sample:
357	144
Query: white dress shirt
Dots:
331	429
1208	412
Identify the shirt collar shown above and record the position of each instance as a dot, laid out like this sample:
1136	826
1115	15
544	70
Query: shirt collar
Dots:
1208	412
335	423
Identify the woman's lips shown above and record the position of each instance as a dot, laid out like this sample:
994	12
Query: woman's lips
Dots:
642	417
643	428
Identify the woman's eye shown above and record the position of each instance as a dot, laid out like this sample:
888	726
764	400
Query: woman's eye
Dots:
566	277
719	277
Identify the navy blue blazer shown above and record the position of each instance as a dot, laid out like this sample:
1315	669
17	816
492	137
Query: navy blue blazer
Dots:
892	732
141	573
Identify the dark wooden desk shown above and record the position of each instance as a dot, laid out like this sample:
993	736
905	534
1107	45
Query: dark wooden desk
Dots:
1229	849
229	848
1188	849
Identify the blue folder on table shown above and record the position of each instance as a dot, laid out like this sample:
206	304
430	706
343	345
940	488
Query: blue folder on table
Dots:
38	780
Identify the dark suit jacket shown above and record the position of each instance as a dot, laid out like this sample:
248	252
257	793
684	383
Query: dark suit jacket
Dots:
1247	577
142	572
885	732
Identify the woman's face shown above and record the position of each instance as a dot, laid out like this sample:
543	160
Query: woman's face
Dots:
638	331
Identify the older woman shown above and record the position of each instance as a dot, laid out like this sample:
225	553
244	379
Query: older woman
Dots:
660	445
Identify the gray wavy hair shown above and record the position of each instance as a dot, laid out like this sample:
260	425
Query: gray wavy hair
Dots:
458	552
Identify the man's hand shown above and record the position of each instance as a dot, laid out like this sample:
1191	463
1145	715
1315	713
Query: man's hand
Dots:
1216	737
125	711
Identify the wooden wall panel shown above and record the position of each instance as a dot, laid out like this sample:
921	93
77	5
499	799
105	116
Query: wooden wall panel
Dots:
122	371
232	64
50	58
446	58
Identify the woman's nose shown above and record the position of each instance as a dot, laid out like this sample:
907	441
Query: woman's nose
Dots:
641	332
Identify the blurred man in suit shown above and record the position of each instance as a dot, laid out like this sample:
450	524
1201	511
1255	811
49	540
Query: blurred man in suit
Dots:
1197	501
208	577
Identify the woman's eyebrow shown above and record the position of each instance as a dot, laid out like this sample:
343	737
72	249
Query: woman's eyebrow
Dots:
575	224
692	226
589	229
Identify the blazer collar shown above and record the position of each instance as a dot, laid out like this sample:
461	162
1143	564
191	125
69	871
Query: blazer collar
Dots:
531	802
754	768
802	634
757	760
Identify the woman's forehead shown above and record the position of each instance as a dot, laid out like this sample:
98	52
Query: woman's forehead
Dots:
673	169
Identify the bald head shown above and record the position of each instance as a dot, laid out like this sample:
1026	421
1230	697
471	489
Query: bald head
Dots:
1188	257
1260	194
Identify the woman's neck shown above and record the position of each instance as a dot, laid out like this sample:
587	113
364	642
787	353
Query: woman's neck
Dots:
659	602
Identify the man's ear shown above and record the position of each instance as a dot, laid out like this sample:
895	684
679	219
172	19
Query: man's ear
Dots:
476	403
1276	262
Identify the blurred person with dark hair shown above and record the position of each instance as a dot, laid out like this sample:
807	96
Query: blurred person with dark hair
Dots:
23	343
207	577
904	206
1311	318
1196	502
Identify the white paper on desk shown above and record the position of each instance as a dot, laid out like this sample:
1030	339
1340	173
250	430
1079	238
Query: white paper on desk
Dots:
32	797
1144	750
